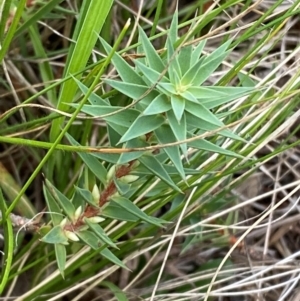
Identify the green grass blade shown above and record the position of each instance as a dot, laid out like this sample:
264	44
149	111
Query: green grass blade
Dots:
94	18
12	28
8	246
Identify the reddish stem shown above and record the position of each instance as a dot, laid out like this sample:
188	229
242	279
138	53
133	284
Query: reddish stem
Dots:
110	189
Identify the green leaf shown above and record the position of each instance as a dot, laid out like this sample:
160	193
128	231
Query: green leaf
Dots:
171	170
174	66
55	236
114	211
90	238
178	105
77	198
203	113
218	52
87	195
97	229
126	72
218	91
143	125
114	136
94	99
208	66
208	146
164	135
127	205
179	130
184	58
172	35
38	15
8	254
92	16
160	104
118	293
112	258
91	162
111	158
132	90
191	73
62	200
153	59
203	125
124	117
45	69
152	75
246	80
151	163
122	187
197	52
126	157
54	209
170	88
216	98
61	257
199	72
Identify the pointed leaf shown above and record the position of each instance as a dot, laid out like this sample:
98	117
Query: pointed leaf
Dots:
169	87
61	257
143	125
62	200
91	162
123	118
151	74
55	211
191	73
217	96
246	80
94	242
111	158
178	105
114	211
118	293
201	124
171	170
197	52
87	195
207	68
132	90
97	229
154	60
160	104
165	135
208	146
203	113
90	239
179	130
126	157
55	236
174	66
218	91
122	187
113	136
127	205
172	36
199	72
184	58
219	51
125	71
94	99
157	168
112	258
